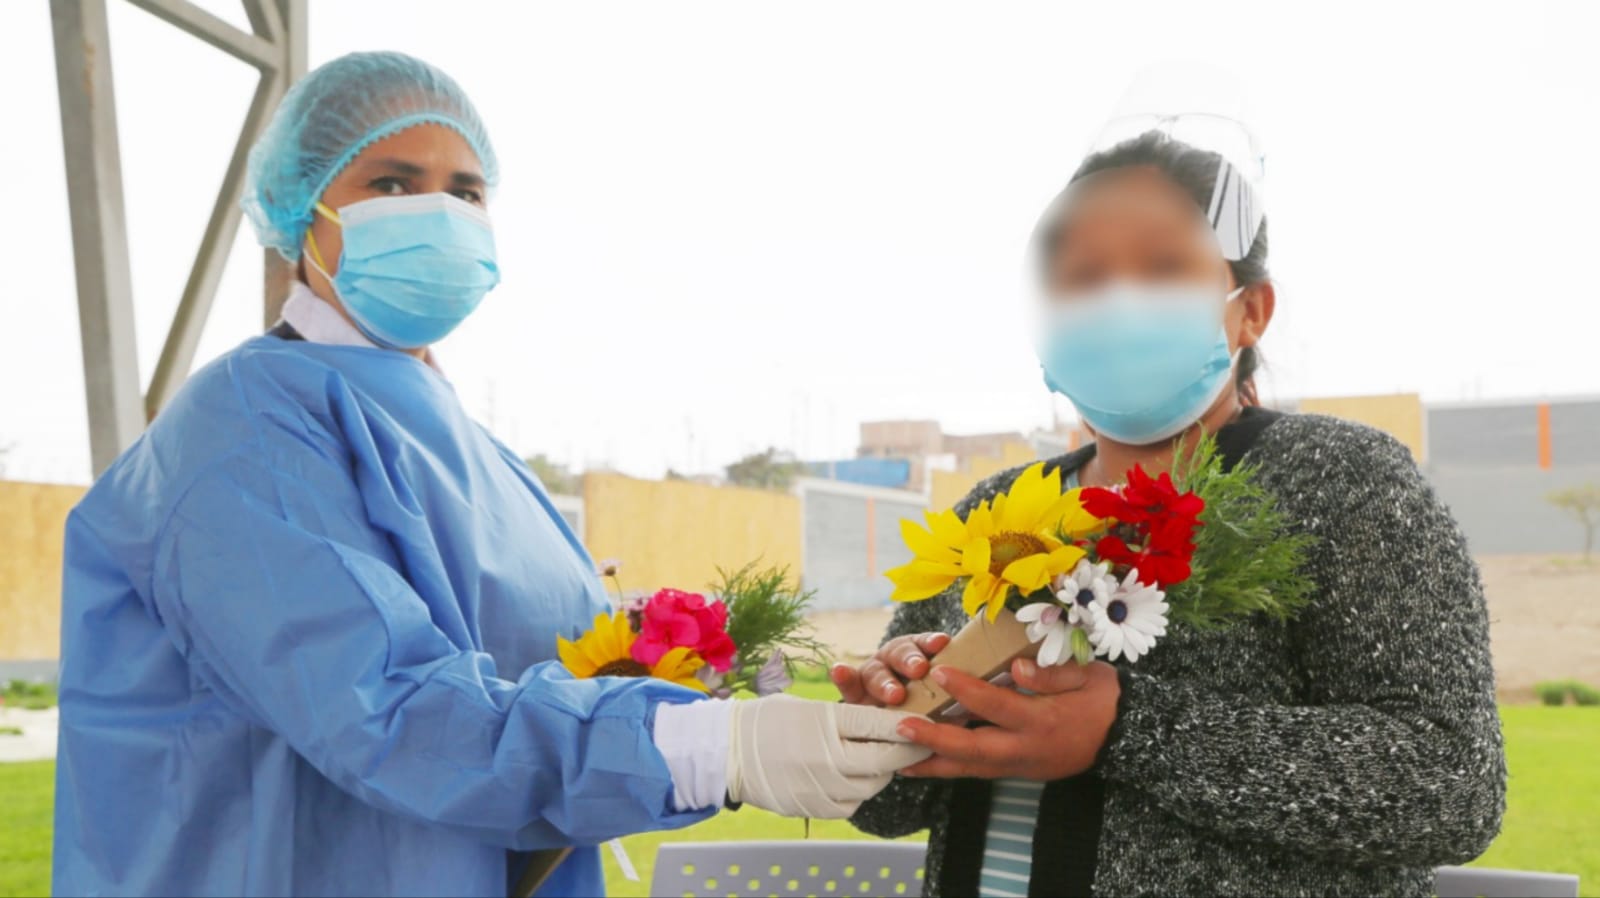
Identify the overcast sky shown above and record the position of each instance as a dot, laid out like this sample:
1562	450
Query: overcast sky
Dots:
724	226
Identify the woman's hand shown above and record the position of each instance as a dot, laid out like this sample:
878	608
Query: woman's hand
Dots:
881	680
1054	734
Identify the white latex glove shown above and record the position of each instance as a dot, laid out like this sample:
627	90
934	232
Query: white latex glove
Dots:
819	759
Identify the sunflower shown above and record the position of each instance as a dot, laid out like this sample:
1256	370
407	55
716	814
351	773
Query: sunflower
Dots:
606	651
1017	540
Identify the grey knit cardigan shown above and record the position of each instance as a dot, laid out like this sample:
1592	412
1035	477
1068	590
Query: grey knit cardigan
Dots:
1347	752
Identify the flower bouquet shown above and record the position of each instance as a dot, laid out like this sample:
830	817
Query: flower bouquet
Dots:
748	639
1101	572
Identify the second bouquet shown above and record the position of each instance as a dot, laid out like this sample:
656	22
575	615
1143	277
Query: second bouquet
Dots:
1095	572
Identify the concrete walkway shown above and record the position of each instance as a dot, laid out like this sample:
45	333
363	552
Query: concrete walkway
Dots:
38	739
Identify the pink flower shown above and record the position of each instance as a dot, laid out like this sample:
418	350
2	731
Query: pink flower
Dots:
673	618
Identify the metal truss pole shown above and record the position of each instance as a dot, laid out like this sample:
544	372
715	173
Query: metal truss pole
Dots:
276	47
99	227
278	273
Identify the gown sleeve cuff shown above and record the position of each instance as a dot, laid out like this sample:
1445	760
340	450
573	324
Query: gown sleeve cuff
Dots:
693	739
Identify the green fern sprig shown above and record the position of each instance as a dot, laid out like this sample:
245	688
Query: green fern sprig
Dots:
766	613
1247	559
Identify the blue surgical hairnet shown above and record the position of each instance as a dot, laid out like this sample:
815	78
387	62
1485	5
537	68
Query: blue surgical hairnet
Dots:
330	116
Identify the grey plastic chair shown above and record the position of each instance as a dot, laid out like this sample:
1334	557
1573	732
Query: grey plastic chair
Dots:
1482	882
821	868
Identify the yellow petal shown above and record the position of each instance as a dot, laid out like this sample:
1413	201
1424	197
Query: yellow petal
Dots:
911	585
975	557
937	568
1030	573
1029	497
919	567
678	666
596	653
680	660
625	635
573	659
924	571
604	636
918	592
926	544
898	573
1070	517
976	595
947	528
1065	559
980	523
996	599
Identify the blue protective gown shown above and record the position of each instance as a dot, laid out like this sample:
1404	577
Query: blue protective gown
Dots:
307	630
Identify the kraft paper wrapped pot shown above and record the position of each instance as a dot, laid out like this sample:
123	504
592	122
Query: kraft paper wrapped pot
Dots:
983	649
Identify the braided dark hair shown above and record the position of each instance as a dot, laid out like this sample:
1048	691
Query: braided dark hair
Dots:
1194	170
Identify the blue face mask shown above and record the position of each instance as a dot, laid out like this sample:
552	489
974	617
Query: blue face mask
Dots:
413	267
1140	363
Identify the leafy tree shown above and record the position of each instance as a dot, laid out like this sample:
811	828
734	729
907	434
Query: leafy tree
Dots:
1583	503
767	470
556	477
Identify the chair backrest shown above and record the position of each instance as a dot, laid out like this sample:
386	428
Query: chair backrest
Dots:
1482	882
859	868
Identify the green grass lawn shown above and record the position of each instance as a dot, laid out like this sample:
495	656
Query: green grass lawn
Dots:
1553	810
1552	823
25	791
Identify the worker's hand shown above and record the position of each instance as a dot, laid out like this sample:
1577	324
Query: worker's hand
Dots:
881	680
1056	732
805	758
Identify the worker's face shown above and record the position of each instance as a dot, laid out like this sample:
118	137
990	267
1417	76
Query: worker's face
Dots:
1136	225
425	159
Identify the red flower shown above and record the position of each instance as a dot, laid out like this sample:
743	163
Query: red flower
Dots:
1142	499
672	618
1157	518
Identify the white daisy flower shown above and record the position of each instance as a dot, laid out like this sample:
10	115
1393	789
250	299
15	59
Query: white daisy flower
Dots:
1129	622
1087	585
1046	623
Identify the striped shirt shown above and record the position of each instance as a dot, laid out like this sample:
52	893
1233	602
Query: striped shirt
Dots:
1008	842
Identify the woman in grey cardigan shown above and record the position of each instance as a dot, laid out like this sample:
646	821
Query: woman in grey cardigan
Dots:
1345	752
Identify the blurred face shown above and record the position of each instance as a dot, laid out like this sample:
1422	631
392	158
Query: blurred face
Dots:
425	159
1134	225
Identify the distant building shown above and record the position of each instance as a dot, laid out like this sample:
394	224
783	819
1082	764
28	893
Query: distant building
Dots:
916	454
1494	462
900	439
891	473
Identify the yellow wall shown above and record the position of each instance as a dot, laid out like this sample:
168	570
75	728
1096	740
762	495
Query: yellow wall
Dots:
666	533
33	517
949	487
1400	414
676	533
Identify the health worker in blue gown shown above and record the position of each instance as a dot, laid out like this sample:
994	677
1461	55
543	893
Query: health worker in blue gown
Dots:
309	618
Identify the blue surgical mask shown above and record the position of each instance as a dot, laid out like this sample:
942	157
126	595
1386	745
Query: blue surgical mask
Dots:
413	267
1141	363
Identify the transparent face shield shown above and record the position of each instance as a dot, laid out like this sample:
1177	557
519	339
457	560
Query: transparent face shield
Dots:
1203	107
1124	224
1236	208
